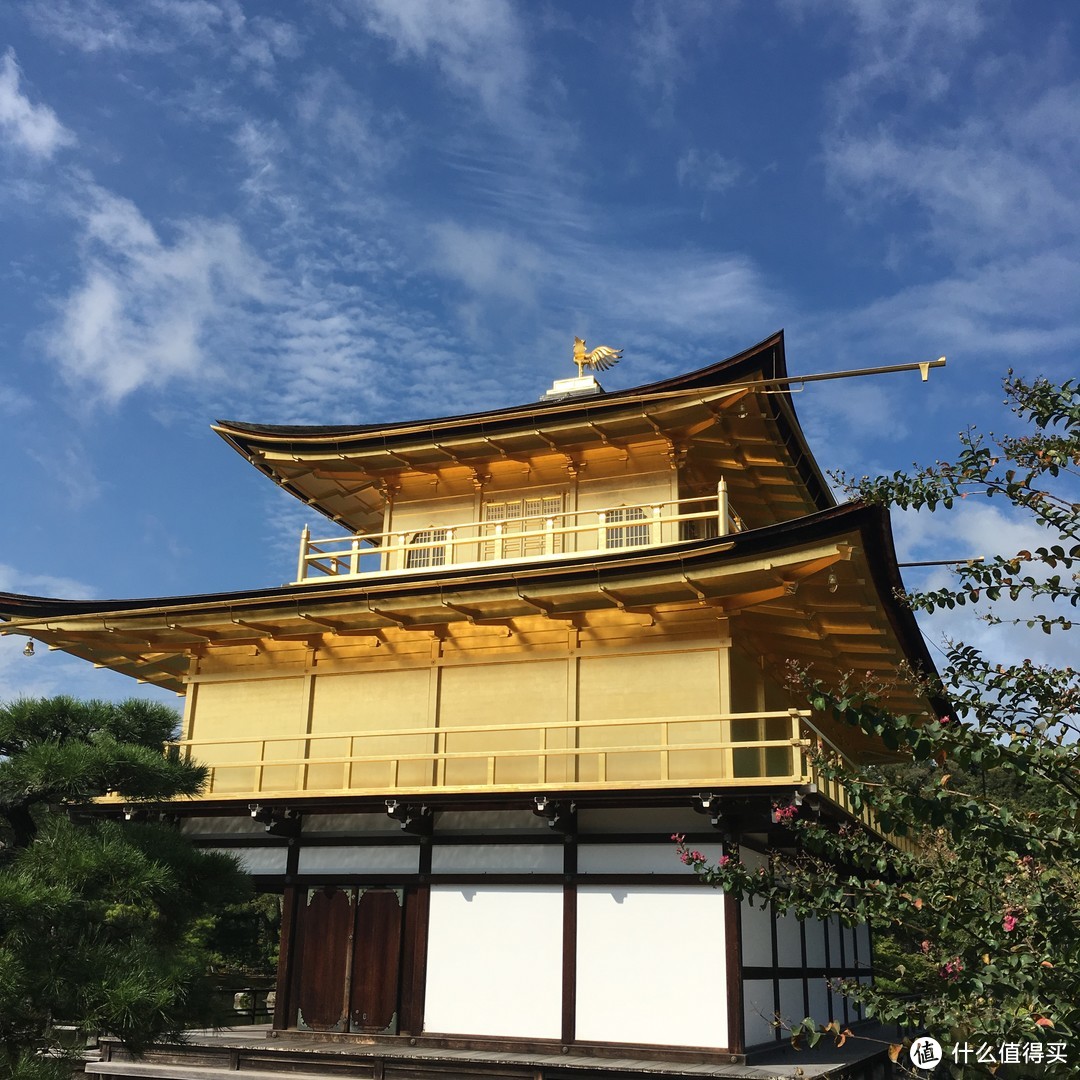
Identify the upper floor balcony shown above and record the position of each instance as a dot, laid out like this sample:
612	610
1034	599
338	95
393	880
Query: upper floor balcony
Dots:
516	531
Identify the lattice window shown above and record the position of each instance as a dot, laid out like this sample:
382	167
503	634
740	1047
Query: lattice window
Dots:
519	518
416	558
622	536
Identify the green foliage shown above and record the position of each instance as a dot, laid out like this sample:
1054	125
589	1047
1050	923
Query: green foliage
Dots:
988	899
246	938
103	924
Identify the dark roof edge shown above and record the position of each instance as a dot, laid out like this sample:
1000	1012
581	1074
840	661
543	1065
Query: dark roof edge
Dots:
723	371
872	522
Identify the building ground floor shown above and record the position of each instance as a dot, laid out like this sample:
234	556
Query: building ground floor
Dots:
536	925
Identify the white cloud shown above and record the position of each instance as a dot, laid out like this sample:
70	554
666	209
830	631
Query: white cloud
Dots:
33	128
157	27
977	527
1006	312
17	581
145	308
1001	181
908	46
664	38
706	172
13	401
489	262
477	44
334	118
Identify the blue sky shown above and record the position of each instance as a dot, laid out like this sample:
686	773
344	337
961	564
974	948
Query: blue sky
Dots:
353	210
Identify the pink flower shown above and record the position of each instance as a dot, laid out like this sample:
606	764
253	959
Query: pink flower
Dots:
925	946
724	860
1008	924
678	837
951	970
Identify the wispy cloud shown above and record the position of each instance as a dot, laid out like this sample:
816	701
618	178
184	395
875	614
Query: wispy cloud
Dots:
165	26
908	46
706	171
477	44
664	39
31	127
975	528
144	308
1001	181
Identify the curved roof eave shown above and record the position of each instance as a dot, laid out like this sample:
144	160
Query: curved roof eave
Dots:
871	522
766	359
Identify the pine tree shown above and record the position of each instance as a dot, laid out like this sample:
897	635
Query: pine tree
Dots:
104	923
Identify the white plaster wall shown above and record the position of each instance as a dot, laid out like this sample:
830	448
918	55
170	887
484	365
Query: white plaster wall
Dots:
638	858
651	965
497	859
758	1011
819	1001
353	859
862	943
756	935
792	1006
788	941
238	825
814	929
495	961
261	860
836	932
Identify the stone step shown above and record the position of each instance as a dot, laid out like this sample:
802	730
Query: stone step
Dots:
167	1070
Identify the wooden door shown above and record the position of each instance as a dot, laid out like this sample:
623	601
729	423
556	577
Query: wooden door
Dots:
325	926
376	962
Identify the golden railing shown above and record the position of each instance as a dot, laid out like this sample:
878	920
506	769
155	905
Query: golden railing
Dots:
538	536
695	752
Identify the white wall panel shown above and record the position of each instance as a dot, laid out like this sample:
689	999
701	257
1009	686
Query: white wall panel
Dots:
836	933
758	1011
347	824
788	941
638	981
756	935
638	858
353	859
495	961
237	825
259	860
862	944
814	929
819	1000
792	1006
497	859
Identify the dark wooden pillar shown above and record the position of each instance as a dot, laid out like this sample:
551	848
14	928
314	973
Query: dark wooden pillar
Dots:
284	1007
733	950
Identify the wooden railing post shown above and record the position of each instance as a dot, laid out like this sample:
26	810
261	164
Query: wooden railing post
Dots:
722	522
301	566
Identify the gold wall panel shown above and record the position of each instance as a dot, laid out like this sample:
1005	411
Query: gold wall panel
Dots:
372	701
645	685
754	691
263	709
497	694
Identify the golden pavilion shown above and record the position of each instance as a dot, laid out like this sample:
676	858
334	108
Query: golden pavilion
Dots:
537	642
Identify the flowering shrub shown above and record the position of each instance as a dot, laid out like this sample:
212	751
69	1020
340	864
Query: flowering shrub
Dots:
990	897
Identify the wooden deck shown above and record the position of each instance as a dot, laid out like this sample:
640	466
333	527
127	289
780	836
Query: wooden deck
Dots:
251	1053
